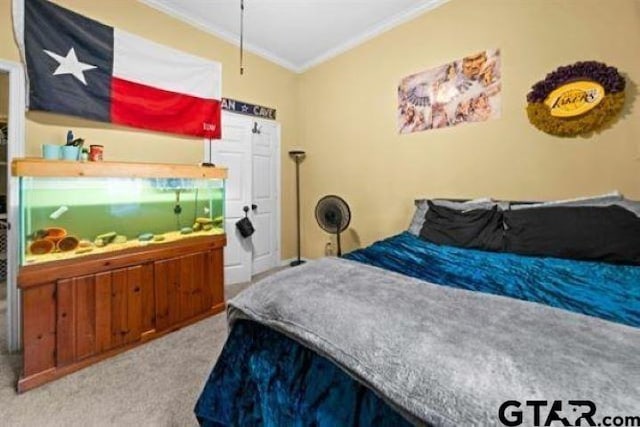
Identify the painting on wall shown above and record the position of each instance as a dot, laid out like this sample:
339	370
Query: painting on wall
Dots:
462	91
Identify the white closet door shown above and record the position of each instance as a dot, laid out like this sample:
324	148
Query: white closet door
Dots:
233	151
253	162
266	172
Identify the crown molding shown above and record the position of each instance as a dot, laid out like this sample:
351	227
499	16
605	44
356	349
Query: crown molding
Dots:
353	42
222	34
381	27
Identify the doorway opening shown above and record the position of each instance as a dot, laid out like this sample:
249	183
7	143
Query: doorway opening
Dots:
12	127
4	139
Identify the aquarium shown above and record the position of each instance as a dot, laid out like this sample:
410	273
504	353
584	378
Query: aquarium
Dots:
70	217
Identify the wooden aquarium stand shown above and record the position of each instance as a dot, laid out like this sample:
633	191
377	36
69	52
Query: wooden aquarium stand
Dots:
77	312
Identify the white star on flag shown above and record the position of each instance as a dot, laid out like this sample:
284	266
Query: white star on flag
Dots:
70	65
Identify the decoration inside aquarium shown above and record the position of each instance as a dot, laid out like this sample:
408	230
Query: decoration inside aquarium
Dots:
160	211
45	250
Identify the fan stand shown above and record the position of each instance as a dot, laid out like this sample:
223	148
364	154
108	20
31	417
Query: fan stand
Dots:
339	221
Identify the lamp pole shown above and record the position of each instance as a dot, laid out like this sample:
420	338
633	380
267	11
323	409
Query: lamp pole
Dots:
297	156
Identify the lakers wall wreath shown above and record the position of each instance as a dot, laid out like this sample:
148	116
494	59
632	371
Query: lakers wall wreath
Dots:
576	99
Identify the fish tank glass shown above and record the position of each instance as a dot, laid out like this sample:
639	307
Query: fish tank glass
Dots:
66	218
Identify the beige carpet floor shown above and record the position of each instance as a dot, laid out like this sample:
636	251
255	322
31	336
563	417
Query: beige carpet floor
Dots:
156	384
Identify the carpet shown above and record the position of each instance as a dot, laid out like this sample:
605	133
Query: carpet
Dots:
156	384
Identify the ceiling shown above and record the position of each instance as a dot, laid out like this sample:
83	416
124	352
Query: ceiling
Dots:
296	34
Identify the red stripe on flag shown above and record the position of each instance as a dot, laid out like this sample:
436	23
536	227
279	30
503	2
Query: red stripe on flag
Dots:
146	107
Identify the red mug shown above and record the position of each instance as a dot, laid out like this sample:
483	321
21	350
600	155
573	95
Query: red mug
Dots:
95	153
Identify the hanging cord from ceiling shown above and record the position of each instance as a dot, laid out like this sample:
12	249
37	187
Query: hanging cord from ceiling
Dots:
241	37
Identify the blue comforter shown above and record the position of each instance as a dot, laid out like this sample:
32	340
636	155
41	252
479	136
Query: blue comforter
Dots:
263	378
608	291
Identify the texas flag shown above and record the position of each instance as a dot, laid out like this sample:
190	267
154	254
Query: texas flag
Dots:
81	67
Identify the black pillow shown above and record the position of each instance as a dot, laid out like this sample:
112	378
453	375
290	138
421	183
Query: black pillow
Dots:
477	228
609	233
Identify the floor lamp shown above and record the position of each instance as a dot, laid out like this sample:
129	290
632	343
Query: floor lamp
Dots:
297	156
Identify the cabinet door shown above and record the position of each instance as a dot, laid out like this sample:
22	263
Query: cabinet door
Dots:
196	273
75	338
215	279
167	287
38	332
132	306
126	306
103	311
187	286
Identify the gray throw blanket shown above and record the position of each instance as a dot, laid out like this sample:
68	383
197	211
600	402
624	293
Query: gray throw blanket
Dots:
446	356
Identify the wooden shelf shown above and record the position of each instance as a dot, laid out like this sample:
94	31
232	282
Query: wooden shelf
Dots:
32	166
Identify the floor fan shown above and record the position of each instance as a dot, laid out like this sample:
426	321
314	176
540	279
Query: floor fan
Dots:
333	216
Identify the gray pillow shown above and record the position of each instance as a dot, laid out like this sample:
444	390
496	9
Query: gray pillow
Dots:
609	199
613	198
631	205
422	207
602	200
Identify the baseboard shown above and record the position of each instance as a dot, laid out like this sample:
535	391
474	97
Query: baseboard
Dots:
286	262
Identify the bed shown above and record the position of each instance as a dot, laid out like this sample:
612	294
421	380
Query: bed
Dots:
409	332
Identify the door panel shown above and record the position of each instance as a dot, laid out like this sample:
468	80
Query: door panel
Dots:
66	323
262	242
118	307
134	304
85	300
215	283
168	298
103	312
265	170
262	168
187	282
161	290
39	335
234	152
148	299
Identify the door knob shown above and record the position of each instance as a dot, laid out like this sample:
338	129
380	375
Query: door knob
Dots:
245	209
254	207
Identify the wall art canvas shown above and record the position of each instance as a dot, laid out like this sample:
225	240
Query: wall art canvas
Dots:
465	90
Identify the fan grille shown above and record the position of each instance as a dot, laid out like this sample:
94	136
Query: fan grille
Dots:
333	214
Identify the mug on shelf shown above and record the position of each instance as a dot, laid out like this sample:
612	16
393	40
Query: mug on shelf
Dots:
96	153
51	151
69	152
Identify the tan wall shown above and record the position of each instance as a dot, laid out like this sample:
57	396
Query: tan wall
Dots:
263	83
348	115
343	111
